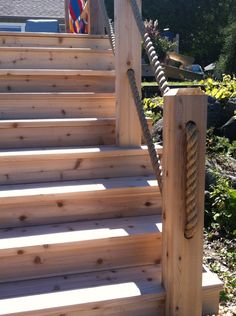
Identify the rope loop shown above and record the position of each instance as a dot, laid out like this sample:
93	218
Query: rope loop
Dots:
192	137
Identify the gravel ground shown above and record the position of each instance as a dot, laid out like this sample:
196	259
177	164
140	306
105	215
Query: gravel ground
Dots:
220	258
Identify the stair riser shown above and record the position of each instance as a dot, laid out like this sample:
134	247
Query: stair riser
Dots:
62	208
150	305
58	83
47	169
58	136
65	59
45	40
39	107
51	260
211	301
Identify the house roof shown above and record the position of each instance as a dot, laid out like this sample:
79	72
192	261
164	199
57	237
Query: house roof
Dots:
32	8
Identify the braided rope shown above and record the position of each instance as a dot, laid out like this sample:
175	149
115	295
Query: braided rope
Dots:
108	25
152	55
155	160
192	137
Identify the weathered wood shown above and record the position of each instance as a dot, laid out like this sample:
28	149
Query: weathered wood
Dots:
182	258
67	27
96	19
128	55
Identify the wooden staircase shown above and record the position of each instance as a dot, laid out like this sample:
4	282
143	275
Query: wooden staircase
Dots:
80	218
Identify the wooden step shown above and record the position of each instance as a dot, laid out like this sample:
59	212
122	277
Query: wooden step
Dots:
117	292
56	58
52	296
56	105
35	133
60	164
16	39
45	203
57	132
78	247
56	80
212	287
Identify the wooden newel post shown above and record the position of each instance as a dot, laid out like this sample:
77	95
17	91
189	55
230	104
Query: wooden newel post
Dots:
67	27
185	114
128	55
96	23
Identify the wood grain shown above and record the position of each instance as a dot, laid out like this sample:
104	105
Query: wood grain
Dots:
27	39
32	166
79	247
128	55
182	258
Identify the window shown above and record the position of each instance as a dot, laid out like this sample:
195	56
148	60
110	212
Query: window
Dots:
12	27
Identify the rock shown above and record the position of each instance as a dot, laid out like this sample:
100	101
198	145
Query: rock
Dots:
222	167
219	114
157	131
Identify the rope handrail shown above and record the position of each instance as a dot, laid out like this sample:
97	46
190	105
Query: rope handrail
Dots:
151	52
159	75
155	160
108	25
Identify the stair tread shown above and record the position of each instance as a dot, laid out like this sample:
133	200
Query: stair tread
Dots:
15	123
55	49
79	186
80	289
40	95
76	232
82	152
60	35
56	72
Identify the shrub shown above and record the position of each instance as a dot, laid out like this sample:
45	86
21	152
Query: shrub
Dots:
221	211
216	145
161	45
221	90
153	108
227	61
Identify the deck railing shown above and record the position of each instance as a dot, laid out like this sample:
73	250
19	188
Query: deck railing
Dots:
185	112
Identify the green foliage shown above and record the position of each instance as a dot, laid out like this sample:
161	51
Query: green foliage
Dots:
221	211
153	108
227	60
221	90
199	23
161	45
216	145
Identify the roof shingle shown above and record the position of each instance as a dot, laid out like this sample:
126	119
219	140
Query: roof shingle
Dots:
32	8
